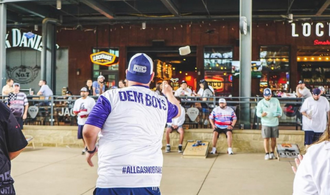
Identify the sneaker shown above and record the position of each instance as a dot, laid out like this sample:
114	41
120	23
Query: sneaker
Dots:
267	157
168	148
271	156
230	151
83	152
213	152
180	149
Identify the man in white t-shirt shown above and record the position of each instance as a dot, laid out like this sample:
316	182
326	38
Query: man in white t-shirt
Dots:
131	122
176	125
302	91
82	107
222	119
314	110
183	90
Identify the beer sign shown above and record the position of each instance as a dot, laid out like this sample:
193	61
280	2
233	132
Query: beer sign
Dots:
103	58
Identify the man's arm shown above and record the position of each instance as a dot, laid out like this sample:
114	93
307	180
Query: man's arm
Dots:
167	91
90	133
25	111
13	155
298	93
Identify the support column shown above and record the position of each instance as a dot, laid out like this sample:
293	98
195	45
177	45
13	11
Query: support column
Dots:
3	27
48	53
245	59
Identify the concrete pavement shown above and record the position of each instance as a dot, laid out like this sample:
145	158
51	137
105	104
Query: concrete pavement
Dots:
64	171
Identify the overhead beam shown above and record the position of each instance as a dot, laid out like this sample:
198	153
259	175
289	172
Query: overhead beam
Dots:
205	6
171	7
15	1
323	7
32	9
98	7
289	7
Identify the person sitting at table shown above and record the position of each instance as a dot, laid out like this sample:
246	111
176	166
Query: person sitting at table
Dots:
8	88
183	90
201	89
44	91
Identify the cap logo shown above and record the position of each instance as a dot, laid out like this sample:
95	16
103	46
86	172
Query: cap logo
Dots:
139	68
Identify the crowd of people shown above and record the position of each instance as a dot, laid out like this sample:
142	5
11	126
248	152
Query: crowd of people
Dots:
120	113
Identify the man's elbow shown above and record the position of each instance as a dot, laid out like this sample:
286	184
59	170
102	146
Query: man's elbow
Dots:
13	155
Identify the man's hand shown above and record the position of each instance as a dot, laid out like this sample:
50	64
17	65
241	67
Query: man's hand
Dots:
175	126
264	114
89	158
230	127
24	116
213	127
297	161
167	89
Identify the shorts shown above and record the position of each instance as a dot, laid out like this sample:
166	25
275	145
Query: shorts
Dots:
205	110
80	131
169	126
219	131
131	191
269	132
311	137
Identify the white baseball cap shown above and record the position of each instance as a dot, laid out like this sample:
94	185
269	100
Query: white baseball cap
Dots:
222	100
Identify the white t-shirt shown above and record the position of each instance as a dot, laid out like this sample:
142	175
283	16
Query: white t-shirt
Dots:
179	120
306	93
201	91
132	122
318	110
312	176
181	92
85	106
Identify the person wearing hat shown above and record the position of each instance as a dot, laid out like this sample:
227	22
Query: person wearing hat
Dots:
302	91
322	91
81	108
131	121
315	111
18	104
183	90
223	120
269	110
99	86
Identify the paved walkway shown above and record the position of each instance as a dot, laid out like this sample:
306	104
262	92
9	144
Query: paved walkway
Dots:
63	171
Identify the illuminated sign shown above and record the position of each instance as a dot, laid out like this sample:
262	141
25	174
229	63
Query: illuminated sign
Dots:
317	42
306	29
103	58
216	82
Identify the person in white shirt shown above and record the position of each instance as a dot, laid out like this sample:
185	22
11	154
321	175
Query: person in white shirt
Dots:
302	91
312	172
201	88
183	90
314	110
82	107
8	88
176	124
131	124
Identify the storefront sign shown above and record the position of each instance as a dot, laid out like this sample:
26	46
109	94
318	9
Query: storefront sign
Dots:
23	74
307	29
25	40
66	112
216	82
317	42
103	58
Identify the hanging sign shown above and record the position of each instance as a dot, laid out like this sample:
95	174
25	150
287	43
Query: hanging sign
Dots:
307	28
103	58
25	39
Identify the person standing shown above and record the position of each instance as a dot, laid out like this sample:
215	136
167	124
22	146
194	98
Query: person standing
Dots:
12	144
314	110
131	121
18	104
302	91
269	110
183	90
89	86
176	125
44	91
82	107
99	86
121	84
223	120
8	88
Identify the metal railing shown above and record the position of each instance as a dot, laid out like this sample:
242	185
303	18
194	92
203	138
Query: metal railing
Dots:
58	110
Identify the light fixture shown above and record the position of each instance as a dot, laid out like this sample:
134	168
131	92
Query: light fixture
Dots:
180	72
186	74
35	27
59	4
298	58
78	71
312	58
144	25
